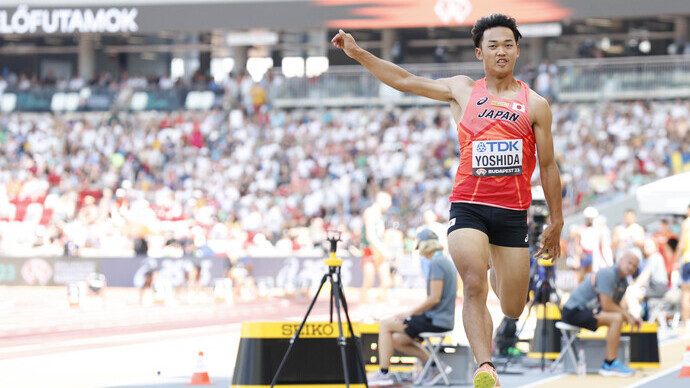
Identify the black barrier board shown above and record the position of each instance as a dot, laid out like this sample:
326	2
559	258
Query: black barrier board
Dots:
644	346
549	335
315	358
312	361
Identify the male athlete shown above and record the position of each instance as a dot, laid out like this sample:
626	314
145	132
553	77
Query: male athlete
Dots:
501	124
376	257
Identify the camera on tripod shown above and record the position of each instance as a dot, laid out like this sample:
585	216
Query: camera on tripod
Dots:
538	216
542	274
337	301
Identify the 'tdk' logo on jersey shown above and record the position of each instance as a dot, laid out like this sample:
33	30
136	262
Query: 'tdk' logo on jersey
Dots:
499	146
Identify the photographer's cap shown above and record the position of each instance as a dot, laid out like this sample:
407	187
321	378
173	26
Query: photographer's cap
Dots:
424	235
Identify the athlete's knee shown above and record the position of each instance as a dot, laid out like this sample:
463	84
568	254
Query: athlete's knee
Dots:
474	286
512	309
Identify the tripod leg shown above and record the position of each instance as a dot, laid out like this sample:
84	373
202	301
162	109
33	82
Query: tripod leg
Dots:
341	338
332	300
358	341
543	339
517	335
296	335
344	302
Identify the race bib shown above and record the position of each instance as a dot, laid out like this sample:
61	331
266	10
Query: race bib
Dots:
497	157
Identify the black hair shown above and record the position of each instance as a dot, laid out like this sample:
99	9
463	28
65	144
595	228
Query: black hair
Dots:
491	21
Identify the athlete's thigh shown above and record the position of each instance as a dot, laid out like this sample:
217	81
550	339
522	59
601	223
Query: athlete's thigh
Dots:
469	249
512	271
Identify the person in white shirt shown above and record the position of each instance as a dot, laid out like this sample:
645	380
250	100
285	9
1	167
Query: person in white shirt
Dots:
627	236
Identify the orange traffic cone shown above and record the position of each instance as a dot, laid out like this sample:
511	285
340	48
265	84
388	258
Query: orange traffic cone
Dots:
685	365
200	376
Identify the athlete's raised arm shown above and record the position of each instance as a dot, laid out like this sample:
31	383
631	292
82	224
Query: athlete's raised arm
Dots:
550	177
392	74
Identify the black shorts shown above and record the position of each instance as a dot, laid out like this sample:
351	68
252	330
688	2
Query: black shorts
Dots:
505	227
580	318
420	324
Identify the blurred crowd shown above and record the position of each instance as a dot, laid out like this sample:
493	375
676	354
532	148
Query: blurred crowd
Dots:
229	181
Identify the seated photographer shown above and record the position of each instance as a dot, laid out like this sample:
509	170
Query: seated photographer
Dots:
435	314
597	302
651	283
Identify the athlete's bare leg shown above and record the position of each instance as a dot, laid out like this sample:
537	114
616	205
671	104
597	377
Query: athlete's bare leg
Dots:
511	266
368	275
469	249
384	271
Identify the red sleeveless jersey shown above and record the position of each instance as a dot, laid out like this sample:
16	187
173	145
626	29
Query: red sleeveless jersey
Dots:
497	151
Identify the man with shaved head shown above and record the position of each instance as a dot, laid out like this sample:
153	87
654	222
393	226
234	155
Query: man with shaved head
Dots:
596	302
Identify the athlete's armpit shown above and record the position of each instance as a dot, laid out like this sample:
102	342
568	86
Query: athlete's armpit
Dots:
460	87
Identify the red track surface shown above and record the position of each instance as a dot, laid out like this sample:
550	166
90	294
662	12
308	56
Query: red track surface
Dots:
39	320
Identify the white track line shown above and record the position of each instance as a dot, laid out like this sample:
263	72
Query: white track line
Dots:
543	381
654	377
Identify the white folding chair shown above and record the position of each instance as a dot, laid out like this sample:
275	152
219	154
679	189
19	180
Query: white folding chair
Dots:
569	333
433	347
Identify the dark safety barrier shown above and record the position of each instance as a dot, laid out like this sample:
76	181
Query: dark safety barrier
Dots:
280	272
547	339
119	272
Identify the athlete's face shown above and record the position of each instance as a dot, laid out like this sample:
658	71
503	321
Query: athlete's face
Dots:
629	218
498	50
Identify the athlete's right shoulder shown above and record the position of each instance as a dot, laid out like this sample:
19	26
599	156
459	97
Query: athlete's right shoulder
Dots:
461	81
460	87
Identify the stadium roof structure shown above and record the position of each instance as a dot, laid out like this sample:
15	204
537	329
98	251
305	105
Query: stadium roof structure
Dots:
666	196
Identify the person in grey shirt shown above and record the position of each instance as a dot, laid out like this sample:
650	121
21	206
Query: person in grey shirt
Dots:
435	314
651	283
597	302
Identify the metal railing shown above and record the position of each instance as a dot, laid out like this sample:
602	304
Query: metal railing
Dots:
355	86
659	77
